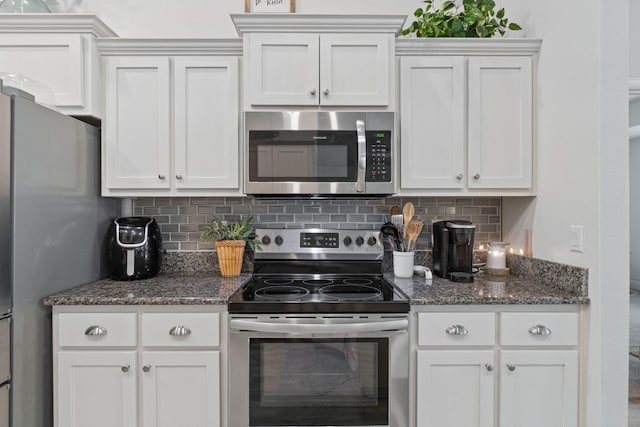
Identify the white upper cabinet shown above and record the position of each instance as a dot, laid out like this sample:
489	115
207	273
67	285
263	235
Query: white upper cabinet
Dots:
432	124
466	117
171	125
500	122
318	60
284	70
55	59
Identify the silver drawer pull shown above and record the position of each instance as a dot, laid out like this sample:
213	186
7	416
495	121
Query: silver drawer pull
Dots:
511	367
179	331
125	368
457	330
146	368
539	330
96	331
489	367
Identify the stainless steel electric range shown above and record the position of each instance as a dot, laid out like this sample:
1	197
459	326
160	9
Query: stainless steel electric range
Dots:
318	337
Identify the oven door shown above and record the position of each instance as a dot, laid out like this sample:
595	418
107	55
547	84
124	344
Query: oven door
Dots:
319	371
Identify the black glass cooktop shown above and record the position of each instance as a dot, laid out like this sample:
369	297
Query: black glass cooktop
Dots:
275	294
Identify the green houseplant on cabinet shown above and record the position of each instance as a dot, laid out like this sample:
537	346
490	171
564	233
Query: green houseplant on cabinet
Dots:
460	18
230	240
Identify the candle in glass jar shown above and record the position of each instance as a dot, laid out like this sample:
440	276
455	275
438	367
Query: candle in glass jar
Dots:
496	255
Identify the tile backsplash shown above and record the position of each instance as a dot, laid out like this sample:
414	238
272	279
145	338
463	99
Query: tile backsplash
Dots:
182	219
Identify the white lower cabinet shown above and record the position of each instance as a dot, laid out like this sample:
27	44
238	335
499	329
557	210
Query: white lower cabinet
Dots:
539	388
107	375
455	388
496	369
96	388
180	389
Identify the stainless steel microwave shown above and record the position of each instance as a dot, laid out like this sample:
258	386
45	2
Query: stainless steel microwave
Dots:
319	153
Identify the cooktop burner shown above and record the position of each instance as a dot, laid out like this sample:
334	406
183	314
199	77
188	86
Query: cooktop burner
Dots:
319	271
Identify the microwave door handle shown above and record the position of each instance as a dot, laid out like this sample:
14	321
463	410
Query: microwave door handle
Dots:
362	155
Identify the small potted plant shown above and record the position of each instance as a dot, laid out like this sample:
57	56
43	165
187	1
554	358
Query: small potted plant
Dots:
230	240
460	18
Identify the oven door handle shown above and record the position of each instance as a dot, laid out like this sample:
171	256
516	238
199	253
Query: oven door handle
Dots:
243	325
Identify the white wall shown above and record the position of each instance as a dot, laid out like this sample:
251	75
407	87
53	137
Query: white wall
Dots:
582	154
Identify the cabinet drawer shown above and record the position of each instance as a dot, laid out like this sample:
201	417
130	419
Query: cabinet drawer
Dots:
456	329
97	329
539	329
181	329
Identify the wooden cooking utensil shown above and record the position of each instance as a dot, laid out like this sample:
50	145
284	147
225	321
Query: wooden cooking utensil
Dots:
395	210
407	212
414	229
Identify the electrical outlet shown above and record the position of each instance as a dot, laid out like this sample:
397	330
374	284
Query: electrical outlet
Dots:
577	238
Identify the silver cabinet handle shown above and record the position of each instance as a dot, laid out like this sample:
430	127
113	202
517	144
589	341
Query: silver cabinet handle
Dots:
362	155
539	330
161	176
511	367
489	367
125	368
476	176
146	368
312	92
178	176
96	331
179	331
457	330
325	92
459	177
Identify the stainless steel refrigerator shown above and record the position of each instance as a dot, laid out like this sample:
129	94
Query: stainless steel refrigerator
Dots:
53	228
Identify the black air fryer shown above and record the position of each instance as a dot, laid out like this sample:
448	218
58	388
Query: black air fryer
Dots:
135	248
453	250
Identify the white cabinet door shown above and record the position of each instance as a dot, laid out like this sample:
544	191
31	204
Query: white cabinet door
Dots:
55	60
180	388
283	69
432	127
500	122
136	136
206	122
96	388
539	388
354	69
455	388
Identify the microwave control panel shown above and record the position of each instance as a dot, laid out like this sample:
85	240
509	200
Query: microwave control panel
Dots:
378	156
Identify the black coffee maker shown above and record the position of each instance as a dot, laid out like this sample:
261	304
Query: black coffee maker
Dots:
135	248
453	250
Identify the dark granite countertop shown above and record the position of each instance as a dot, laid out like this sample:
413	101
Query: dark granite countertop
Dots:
166	289
188	278
485	290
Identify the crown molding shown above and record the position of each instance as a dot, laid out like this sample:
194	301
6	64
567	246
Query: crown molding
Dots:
312	23
54	23
467	46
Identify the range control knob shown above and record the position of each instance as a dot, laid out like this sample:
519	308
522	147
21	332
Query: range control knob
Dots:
347	241
372	241
266	240
359	241
279	240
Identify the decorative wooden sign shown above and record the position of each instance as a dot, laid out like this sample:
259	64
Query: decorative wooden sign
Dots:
273	6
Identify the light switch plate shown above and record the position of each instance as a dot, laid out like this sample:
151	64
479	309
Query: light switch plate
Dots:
577	238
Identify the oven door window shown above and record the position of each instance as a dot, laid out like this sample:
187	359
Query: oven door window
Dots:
303	156
319	382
